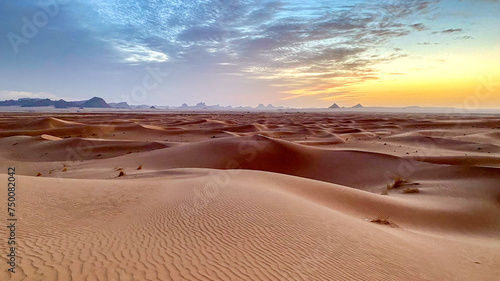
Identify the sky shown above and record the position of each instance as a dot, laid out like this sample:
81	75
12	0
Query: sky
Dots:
293	53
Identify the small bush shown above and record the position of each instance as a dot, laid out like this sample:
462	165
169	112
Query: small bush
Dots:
121	174
140	167
39	174
381	221
411	190
384	222
398	182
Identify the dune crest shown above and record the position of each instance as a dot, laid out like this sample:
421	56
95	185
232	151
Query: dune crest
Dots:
257	196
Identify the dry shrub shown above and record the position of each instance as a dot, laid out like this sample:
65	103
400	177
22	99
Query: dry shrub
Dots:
398	182
384	222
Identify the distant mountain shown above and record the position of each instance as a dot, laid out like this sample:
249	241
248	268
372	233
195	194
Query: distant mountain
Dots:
358	106
10	102
122	105
218	107
140	106
243	107
334	106
28	102
96	102
200	105
269	106
37	102
65	104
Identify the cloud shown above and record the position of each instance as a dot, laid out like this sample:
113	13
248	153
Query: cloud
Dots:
137	53
418	26
8	95
302	51
466	37
320	45
448	31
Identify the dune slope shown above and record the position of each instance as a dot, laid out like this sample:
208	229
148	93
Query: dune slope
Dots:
256	196
249	227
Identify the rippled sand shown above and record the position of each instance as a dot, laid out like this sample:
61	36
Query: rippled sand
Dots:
257	196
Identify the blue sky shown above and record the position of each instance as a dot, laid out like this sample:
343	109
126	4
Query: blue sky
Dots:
294	52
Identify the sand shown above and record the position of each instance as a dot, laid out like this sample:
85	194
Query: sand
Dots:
252	196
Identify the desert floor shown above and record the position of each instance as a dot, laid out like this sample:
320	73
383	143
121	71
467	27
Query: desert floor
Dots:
252	196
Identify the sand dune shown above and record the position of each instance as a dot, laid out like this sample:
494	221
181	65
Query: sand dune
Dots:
253	227
50	148
373	170
481	161
265	154
444	143
258	196
39	123
491	138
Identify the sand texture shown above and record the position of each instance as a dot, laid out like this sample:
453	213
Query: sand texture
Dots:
255	196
